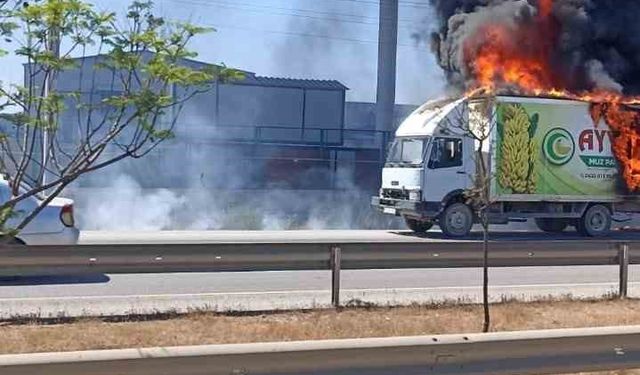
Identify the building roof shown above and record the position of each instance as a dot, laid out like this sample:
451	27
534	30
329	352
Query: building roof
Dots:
189	62
255	80
292	83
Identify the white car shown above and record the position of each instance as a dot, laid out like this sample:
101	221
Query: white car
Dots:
54	225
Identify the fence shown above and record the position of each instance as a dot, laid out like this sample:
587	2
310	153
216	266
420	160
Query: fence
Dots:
530	352
283	256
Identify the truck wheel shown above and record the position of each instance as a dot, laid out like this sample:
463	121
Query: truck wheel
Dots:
456	220
418	226
596	222
552	225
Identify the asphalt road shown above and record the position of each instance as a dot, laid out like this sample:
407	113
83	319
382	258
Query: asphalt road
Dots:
321	236
149	293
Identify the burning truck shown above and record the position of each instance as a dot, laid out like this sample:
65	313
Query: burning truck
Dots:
556	83
551	160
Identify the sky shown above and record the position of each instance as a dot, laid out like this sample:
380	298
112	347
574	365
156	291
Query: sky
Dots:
311	39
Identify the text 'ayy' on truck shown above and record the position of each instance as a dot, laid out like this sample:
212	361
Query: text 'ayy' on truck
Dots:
548	160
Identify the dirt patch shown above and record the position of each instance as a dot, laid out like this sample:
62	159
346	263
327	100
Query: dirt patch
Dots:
203	328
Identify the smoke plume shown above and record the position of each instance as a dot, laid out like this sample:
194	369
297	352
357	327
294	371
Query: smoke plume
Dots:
212	192
586	44
345	48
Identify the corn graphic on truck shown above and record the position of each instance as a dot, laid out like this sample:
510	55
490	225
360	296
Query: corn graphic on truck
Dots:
549	161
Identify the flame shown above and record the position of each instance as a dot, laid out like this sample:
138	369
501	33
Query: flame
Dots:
545	8
518	58
497	63
624	123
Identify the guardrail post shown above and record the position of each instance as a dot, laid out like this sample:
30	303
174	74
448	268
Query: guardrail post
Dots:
336	255
623	259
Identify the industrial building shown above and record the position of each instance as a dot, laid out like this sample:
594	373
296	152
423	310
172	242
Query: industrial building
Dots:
272	132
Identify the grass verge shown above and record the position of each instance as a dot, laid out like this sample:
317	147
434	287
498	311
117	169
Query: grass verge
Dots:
208	328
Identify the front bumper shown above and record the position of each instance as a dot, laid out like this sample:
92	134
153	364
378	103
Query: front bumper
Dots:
398	207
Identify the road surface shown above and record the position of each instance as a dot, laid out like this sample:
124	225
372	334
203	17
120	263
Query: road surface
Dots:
149	293
320	236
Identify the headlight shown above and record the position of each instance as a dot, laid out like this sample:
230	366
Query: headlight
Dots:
414	195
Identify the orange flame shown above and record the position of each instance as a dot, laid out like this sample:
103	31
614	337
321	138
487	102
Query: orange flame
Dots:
545	8
623	122
518	59
498	63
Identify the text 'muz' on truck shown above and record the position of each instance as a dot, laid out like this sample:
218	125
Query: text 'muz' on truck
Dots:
548	161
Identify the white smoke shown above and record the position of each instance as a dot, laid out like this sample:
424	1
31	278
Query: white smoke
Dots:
124	206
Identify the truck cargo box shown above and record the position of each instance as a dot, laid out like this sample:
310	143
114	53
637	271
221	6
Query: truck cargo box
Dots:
550	149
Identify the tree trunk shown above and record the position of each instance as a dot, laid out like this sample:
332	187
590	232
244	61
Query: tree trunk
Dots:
485	273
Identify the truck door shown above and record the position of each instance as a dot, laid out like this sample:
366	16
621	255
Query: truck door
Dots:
445	170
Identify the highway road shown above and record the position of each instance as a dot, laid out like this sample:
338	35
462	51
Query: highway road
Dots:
321	236
147	293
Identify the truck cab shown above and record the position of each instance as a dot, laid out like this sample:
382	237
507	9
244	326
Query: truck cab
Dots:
429	166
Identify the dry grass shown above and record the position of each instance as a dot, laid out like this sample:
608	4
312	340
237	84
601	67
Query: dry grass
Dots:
204	328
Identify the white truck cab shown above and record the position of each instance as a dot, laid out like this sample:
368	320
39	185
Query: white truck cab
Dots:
429	164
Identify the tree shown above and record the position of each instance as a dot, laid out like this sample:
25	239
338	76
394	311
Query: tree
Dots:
139	66
476	119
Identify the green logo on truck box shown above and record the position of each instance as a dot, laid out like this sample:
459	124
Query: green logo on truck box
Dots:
558	146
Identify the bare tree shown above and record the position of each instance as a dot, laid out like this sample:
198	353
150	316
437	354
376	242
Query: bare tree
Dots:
125	104
476	119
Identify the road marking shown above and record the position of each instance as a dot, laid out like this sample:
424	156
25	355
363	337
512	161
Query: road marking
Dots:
318	291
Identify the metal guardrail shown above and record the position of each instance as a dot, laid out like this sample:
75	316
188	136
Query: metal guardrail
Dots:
527	352
267	256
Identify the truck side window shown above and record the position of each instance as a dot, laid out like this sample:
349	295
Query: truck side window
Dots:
446	153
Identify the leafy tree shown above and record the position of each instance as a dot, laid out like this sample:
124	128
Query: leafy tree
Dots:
148	79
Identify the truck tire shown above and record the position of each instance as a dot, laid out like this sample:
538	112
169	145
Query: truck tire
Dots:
456	220
552	225
596	222
418	226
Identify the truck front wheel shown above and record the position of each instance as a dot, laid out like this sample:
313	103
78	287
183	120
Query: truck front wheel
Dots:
552	225
596	221
418	226
456	220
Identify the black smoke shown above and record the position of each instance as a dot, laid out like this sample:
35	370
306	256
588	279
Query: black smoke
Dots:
597	45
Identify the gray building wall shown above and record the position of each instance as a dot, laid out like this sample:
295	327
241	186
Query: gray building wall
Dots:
264	131
362	115
257	108
360	127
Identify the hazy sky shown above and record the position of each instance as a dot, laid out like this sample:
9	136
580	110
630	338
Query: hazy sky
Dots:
319	39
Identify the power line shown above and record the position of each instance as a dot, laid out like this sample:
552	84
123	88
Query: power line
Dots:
205	2
309	35
414	4
289	33
240	5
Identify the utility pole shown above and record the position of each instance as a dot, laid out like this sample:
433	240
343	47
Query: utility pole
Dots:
387	51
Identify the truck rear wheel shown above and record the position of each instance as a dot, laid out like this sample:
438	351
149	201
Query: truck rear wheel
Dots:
418	226
596	222
552	225
456	220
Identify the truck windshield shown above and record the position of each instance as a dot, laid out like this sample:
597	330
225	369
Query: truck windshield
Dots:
406	152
